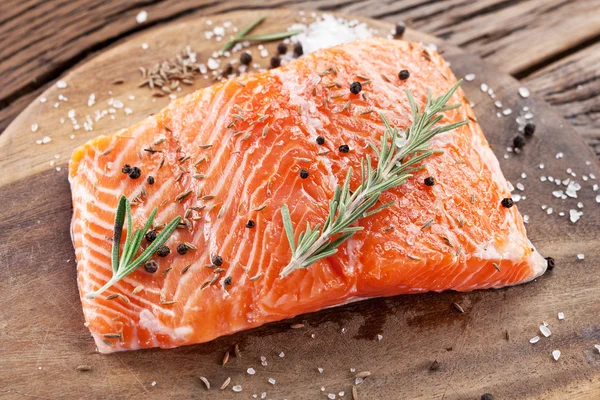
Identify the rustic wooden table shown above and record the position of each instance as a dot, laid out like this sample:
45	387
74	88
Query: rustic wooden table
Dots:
552	46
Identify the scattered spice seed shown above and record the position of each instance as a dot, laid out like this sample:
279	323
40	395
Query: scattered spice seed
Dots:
246	58
112	296
150	180
355	87
236	350
427	224
166	271
207	197
354	393
458	307
344	148
206	382
507	202
217	260
363	374
126	169
135	173
225	358
282	48
163	251
400	29
185	269
496	266
404	75
304	174
435	365
182	249
256	277
487	396
297	326
519	142
137	289
275	62
298	50
204	146
529	129
84	368
429	181
150	236
320	140
260	208
415	258
181	196
226	383
550	262
250	224
151	266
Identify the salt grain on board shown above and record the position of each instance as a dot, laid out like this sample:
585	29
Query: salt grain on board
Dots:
561	316
524	92
237	388
61	85
34	127
251	371
581	257
597	346
141	17
556	355
545	330
574	215
534	339
469	77
272	381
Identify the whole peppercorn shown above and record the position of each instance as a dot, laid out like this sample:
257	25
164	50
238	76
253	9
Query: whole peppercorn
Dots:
246	58
487	396
275	62
150	180
507	202
344	148
282	48
355	87
519	142
429	181
320	140
250	224
163	251
217	260
400	28
227	281
126	169
303	174
529	129
151	266
228	69
403	75
182	249
135	173
150	236
550	261
298	50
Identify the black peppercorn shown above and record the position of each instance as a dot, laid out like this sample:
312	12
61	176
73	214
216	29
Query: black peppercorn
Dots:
282	48
126	169
182	249
150	180
507	202
227	281
320	140
487	396
151	266
529	129
135	173
344	148
403	75
250	224
163	251
429	181
246	58
518	142
400	28
228	69
150	236
303	174
550	262
275	62
355	87
298	50
217	260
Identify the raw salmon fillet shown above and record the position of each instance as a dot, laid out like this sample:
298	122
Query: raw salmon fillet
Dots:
237	148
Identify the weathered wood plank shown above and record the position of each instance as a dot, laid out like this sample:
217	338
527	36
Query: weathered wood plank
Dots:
572	86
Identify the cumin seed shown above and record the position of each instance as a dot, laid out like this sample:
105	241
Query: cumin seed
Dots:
236	349
297	326
226	383
199	176
181	196
427	224
413	257
496	266
256	277
137	289
185	269
458	308
369	111
207	197
260	208
166	271
354	393
265	130
206	382
225	358
363	374
205	146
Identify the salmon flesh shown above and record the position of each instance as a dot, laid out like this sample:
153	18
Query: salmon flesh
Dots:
228	157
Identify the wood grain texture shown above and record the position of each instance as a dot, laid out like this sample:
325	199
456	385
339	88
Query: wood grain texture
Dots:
44	340
40	40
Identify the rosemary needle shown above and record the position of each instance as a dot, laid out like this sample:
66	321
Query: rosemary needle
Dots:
243	33
127	264
395	164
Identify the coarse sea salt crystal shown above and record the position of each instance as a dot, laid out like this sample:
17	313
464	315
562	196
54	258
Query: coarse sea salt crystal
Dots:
153	383
282	354
141	17
358	381
145	46
545	330
263	395
598	199
520	186
597	346
484	87
237	388
272	381
523	175
534	339
212	64
556	355
331	396
469	77
561	316
250	371
581	256
574	215
320	370
34	127
380	337
580	205
524	92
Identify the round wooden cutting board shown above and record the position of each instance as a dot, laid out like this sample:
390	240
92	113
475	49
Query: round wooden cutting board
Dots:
415	346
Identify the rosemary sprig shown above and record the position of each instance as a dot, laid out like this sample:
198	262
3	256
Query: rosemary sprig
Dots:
127	264
266	37
398	155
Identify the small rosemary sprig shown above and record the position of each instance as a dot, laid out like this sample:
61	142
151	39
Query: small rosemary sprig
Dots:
266	37
397	158
126	264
